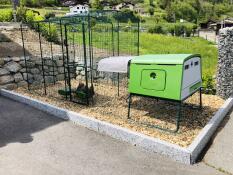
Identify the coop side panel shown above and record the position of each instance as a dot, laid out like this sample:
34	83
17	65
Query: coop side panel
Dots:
173	78
191	76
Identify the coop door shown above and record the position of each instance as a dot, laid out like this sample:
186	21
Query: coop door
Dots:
153	79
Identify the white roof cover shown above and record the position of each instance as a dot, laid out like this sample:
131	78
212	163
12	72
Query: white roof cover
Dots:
114	64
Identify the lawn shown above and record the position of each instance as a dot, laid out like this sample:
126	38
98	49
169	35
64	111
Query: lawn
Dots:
154	44
161	44
58	11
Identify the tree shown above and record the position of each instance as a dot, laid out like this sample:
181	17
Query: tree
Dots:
97	5
151	10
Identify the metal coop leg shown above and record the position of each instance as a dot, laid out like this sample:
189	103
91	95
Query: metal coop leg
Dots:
178	117
200	98
129	105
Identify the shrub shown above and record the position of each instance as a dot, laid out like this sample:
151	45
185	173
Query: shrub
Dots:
29	17
49	33
6	15
158	28
126	15
209	85
49	15
178	29
21	13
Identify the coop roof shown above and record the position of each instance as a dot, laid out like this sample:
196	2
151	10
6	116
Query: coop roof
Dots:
163	58
114	64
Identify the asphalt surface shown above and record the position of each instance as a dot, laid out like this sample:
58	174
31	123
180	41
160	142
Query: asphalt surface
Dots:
220	154
33	142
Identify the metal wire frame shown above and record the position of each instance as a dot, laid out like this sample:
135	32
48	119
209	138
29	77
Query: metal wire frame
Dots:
178	114
88	40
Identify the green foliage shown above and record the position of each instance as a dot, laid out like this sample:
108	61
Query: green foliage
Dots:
151	10
97	5
209	85
21	13
4	2
184	11
39	3
48	31
49	15
158	28
177	29
125	16
6	15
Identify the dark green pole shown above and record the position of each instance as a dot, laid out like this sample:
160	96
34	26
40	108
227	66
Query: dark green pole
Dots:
63	56
90	49
118	53
24	53
85	62
67	62
113	50
138	44
51	49
42	60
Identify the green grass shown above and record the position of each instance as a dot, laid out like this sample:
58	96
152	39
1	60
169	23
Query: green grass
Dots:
162	44
159	44
45	10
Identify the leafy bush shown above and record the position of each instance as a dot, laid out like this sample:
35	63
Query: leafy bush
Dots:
160	29
49	33
209	85
184	10
177	29
49	15
125	16
6	15
21	13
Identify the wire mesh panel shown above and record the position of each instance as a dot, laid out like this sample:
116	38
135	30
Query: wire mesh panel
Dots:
64	63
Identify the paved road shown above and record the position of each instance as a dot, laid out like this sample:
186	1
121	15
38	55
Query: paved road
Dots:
33	142
220	154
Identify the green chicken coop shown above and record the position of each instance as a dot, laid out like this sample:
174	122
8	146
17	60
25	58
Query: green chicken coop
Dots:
173	77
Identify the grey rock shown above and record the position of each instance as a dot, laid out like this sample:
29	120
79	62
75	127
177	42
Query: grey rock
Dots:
38	77
6	79
60	77
30	64
10	86
22	70
16	59
48	62
59	62
60	70
27	76
22	84
7	59
18	77
4	72
35	71
36	83
1	61
22	63
49	79
12	66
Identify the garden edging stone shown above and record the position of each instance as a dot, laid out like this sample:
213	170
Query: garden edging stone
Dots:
184	155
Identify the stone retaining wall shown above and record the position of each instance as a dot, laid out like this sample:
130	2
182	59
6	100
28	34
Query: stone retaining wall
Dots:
225	63
13	72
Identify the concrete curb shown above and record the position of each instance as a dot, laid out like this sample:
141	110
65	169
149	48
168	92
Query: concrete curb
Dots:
207	132
175	152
